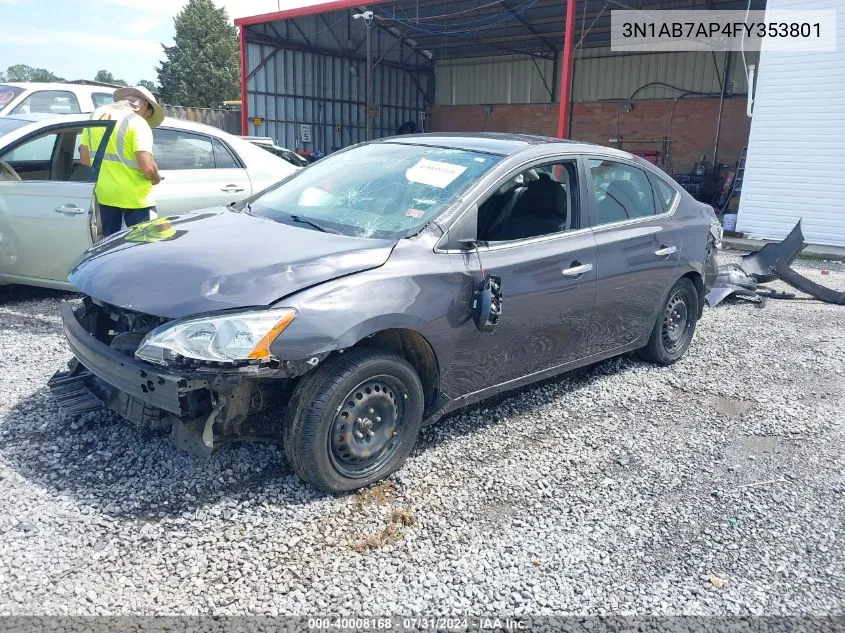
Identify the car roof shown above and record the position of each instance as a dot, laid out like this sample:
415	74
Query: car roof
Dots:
56	85
85	116
503	144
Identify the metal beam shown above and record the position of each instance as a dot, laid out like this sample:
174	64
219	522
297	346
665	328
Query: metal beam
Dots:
340	45
379	20
299	46
390	50
305	37
263	62
530	28
244	130
563	127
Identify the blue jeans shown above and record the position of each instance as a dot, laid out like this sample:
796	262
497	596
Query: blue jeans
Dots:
113	217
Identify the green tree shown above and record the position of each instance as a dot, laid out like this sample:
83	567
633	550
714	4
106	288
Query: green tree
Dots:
149	85
202	68
106	77
22	72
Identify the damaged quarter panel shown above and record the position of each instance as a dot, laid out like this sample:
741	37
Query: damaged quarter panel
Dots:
695	224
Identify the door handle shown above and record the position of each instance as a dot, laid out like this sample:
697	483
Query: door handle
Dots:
69	209
577	271
232	189
665	251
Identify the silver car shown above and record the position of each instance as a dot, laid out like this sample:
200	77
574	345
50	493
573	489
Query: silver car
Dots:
48	214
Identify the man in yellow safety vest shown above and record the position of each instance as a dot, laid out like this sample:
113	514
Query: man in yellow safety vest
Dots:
128	171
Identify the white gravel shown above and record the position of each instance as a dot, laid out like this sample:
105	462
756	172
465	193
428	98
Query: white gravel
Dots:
712	487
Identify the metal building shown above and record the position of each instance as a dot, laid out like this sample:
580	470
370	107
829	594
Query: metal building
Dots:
503	65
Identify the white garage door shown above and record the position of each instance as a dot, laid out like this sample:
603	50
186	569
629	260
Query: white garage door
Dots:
796	150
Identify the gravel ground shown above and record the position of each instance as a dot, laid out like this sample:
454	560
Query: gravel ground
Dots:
712	487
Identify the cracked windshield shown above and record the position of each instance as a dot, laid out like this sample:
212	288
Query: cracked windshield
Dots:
402	188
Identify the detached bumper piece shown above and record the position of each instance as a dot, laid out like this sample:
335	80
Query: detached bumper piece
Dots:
71	392
771	262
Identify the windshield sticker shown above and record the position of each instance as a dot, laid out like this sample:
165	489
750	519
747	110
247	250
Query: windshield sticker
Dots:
415	213
6	97
434	173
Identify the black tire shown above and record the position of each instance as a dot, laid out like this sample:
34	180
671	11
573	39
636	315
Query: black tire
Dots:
675	325
354	420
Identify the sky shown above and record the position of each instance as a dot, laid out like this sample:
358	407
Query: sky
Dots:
76	38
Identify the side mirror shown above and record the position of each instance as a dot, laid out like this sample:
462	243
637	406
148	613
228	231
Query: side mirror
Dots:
487	304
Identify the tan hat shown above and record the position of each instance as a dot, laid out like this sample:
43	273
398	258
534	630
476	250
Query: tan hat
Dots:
139	92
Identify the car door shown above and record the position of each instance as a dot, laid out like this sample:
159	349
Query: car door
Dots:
532	237
46	215
638	250
198	171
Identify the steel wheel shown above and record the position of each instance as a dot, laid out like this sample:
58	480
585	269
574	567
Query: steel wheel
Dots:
369	426
677	322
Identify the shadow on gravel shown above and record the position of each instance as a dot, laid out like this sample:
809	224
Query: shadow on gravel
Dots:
106	463
515	403
9	295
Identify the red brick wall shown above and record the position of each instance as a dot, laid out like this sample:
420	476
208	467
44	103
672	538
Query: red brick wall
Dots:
693	125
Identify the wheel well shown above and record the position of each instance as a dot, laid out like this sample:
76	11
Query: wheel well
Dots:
414	348
698	282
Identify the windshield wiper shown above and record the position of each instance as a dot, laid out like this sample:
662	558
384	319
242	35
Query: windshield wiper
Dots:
319	227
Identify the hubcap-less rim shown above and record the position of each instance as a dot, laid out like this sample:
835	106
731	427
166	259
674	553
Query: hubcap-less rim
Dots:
369	426
676	322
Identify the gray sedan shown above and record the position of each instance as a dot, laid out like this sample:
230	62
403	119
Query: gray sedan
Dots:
361	303
48	215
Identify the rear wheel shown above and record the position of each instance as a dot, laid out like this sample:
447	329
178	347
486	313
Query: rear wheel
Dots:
354	420
675	325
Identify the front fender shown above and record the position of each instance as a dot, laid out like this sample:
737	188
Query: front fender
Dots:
416	290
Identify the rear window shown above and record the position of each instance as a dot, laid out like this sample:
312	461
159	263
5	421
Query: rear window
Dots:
101	98
48	102
7	95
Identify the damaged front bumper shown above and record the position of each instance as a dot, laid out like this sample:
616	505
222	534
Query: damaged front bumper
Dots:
202	408
161	389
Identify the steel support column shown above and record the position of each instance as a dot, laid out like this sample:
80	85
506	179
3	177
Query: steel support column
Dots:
244	117
566	72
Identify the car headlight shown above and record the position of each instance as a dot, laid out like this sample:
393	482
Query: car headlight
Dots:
226	337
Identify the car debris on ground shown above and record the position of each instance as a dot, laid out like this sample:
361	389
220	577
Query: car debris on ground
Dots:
772	261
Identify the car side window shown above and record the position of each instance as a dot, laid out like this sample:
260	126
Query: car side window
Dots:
49	102
666	192
177	149
223	157
539	201
622	192
53	156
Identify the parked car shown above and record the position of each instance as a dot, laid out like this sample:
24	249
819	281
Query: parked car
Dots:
48	214
267	143
51	98
361	304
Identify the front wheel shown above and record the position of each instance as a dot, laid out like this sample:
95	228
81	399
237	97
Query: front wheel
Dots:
675	325
354	420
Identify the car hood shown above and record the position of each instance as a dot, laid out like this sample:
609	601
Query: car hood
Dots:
180	265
